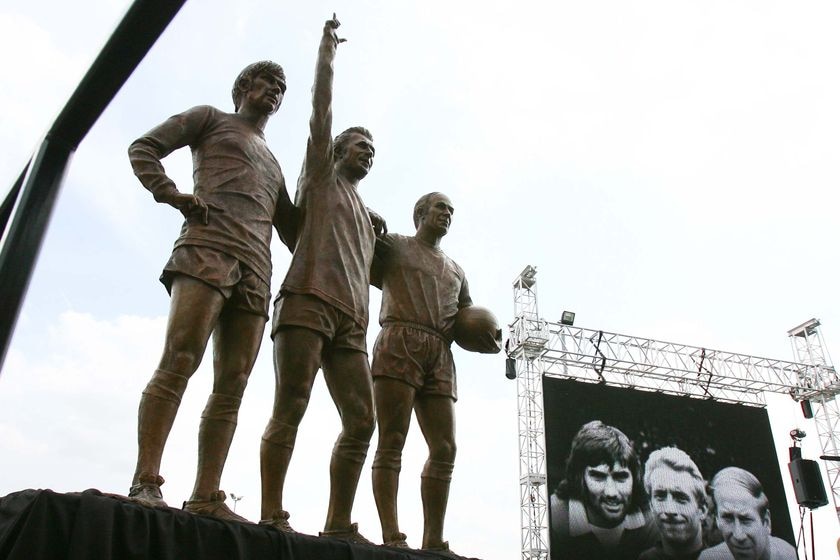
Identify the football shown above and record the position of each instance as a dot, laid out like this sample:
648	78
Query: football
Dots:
477	330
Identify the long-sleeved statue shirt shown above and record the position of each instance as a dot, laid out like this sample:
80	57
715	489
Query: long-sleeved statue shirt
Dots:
234	173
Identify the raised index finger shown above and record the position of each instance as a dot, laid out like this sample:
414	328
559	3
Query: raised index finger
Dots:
335	21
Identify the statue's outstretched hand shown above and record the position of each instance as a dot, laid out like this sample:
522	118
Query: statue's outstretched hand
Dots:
329	29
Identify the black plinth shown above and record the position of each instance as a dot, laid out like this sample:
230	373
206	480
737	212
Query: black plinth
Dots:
45	525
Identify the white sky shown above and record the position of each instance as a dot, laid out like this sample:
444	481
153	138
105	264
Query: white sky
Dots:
670	168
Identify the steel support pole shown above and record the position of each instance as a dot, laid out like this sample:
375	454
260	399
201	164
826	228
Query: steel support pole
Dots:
8	204
141	26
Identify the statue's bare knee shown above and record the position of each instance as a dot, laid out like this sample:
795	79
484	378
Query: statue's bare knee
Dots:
295	377
182	362
183	349
359	424
443	450
391	439
193	313
348	377
236	341
290	404
231	383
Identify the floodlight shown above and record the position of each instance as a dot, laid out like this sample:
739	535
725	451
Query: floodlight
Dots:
527	278
568	318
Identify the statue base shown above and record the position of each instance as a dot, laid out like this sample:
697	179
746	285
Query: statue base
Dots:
45	525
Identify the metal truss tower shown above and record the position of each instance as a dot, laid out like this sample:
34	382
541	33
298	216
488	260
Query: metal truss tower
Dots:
818	384
526	345
554	349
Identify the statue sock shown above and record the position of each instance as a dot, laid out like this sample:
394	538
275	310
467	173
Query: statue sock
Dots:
222	407
387	464
438	470
434	490
166	385
278	442
348	456
215	433
280	434
350	449
390	459
158	407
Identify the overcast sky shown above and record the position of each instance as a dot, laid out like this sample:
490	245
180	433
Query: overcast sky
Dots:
670	167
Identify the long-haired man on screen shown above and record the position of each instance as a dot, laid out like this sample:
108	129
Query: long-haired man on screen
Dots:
598	511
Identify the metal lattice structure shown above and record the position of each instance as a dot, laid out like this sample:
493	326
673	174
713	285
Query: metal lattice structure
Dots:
531	339
818	383
554	349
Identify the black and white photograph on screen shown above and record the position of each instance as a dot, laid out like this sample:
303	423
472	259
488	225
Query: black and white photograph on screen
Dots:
643	475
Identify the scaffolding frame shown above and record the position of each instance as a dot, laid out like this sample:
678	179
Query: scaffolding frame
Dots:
818	384
554	349
531	339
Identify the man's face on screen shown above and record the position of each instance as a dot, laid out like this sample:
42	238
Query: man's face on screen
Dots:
674	504
746	532
608	490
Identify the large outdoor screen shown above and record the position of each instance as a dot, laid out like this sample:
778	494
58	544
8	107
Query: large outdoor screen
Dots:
643	475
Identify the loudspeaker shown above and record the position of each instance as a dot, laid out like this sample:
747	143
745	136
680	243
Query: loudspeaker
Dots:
807	483
807	410
510	368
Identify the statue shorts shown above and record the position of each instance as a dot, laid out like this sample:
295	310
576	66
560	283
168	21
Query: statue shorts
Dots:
311	312
416	355
238	284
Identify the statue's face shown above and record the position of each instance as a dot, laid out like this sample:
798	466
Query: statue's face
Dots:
357	157
438	216
265	93
608	490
